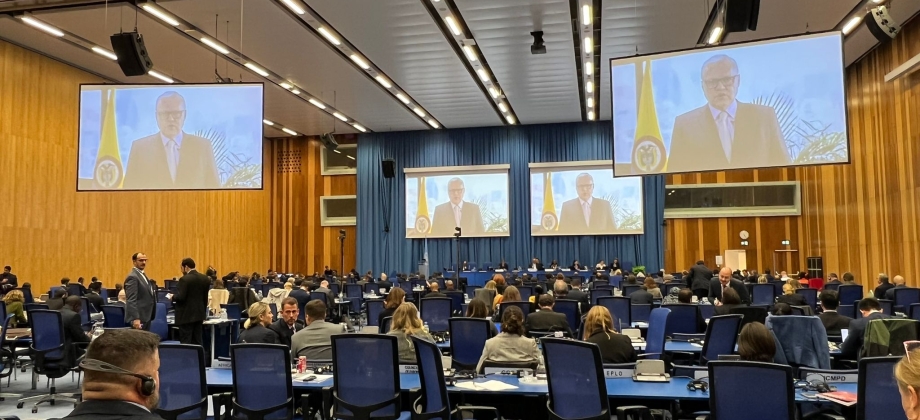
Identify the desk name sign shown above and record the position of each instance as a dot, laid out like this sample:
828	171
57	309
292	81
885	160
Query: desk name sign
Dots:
833	378
220	364
619	373
408	368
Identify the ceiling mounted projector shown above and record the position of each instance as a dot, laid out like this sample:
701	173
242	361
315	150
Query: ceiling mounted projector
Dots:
538	46
329	141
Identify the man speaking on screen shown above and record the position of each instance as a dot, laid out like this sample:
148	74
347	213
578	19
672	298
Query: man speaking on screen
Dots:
725	133
171	158
456	212
586	214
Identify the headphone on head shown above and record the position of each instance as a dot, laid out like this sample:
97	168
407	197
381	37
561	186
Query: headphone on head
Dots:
148	384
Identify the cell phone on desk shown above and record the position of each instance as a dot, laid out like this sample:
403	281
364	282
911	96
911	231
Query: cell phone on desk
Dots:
309	378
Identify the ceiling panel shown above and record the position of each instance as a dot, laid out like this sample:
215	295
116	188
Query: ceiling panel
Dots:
541	88
775	19
276	41
401	38
630	27
181	58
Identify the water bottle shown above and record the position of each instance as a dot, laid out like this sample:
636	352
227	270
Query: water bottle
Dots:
426	327
223	313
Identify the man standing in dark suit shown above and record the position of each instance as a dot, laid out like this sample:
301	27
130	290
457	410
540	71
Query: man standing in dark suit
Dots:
191	302
456	212
586	214
73	327
288	324
171	158
725	281
547	320
8	280
699	272
871	310
725	133
833	322
140	301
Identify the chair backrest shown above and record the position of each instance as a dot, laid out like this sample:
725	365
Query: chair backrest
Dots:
848	311
385	324
467	339
906	296
619	307
365	371
353	290
371	288
320	296
431	376
233	310
335	287
84	311
707	311
628	289
114	316
763	294
374	308
26	294
436	312
750	314
886	337
832	286
913	312
684	319
471	291
599	292
47	333
524	306
183	387
569	308
810	295
877	395
729	391
849	293
262	380
526	292
777	287
575	377
639	312
457	299
657	325
721	336
73	289
158	325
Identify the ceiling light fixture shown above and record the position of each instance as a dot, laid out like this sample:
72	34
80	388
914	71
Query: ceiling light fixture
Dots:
590	102
483	75
292	4
402	98
350	157
360	62
470	52
325	32
453	25
286	85
502	107
260	71
383	81
589	68
295	91
510	119
493	92
317	104
289	131
433	124
591	115
268	123
589	45
418	111
715	35
340	116
359	128
585	15
105	53
160	14
42	26
589	87
852	24
160	76
213	44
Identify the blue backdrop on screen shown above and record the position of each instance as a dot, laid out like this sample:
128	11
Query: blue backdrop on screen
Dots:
517	146
228	118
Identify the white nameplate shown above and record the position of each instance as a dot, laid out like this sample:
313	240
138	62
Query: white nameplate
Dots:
220	364
832	378
408	368
507	371
618	373
700	374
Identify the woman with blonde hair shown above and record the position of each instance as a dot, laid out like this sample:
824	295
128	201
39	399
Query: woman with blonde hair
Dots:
14	300
256	327
615	348
907	375
396	297
790	297
406	324
762	279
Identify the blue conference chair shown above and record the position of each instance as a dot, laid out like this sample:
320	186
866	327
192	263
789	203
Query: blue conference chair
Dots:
599	292
524	306
261	381
467	339
913	312
436	312
707	311
322	297
26	295
655	338
434	402
849	294
848	311
832	286
616	280
73	289
114	316
7	357
810	295
575	377
729	391
50	355
619	308
877	395
721	337
763	294
354	293
385	325
233	310
471	291
159	325
569	308
456	301
374	308
371	288
904	297
640	312
887	308
777	287
183	387
628	289
85	314
366	377
526	292
335	287
684	319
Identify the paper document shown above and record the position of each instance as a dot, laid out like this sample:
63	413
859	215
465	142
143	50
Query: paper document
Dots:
485	386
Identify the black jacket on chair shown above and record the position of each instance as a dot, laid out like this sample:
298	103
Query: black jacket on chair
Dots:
857	329
109	410
191	298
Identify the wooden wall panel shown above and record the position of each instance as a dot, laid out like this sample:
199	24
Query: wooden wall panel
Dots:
860	217
49	231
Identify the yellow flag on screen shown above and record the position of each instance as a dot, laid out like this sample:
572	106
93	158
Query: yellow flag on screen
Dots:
648	154
108	173
422	221
549	220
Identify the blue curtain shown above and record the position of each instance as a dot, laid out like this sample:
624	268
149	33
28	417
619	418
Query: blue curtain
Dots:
518	145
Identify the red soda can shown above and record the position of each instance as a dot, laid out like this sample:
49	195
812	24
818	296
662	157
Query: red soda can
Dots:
301	364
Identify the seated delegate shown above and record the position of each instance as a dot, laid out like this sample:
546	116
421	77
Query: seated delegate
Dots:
730	300
315	341
756	343
256	327
510	345
614	347
406	324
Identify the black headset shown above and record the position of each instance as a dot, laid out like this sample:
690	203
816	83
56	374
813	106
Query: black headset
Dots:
816	385
148	384
698	384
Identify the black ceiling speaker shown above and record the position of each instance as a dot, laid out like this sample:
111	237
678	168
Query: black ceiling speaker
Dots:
329	141
389	168
132	55
538	47
882	26
741	15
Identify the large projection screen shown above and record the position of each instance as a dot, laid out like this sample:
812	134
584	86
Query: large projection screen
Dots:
772	103
474	198
583	198
170	137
